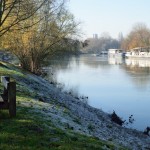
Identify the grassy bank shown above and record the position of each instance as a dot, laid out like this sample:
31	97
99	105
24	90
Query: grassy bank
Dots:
28	131
34	127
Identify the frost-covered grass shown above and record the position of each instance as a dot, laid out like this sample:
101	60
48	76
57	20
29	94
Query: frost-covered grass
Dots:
34	127
29	131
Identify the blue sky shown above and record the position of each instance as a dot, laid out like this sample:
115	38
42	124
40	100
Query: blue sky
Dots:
112	16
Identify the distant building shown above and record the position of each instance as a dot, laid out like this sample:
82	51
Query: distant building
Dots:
95	36
120	37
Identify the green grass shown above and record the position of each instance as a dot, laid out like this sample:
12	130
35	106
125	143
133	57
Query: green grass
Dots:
8	69
29	130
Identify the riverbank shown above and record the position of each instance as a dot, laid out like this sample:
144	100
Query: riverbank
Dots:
48	108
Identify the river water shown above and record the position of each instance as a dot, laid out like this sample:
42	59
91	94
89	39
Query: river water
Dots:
122	85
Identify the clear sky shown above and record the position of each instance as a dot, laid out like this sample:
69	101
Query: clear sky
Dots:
112	16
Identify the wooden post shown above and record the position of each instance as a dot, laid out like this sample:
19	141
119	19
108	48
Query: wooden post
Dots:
12	98
8	96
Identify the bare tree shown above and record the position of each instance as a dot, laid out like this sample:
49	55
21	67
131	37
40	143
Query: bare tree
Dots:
138	37
34	45
16	12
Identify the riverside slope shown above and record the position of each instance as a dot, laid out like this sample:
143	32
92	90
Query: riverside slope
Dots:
68	112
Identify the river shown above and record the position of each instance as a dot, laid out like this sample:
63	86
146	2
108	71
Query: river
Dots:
122	85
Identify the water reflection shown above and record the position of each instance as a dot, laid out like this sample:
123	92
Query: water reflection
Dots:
141	63
122	85
137	69
94	62
115	61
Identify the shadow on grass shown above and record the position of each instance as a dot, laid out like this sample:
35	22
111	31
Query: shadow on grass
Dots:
27	131
21	132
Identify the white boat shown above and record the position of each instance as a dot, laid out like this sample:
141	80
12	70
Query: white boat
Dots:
116	53
138	52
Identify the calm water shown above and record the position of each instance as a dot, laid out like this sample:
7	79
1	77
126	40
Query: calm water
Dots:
110	84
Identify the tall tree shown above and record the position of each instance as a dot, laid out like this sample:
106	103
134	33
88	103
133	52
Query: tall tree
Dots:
138	37
34	45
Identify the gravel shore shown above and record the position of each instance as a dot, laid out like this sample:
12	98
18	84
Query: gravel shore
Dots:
67	111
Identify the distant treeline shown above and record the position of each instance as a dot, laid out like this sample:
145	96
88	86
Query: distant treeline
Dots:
139	36
98	45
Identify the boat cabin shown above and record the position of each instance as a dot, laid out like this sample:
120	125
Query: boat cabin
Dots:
116	53
139	52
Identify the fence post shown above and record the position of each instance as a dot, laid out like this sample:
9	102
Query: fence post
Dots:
12	98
